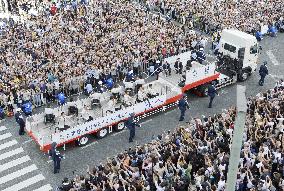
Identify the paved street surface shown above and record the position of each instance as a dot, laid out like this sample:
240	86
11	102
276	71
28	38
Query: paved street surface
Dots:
16	165
24	166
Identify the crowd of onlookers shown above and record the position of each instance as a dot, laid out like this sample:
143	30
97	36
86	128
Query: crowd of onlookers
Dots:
209	16
64	42
196	156
67	42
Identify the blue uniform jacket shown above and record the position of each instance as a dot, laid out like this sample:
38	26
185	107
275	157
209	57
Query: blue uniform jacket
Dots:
130	123
182	104
19	119
263	71
212	91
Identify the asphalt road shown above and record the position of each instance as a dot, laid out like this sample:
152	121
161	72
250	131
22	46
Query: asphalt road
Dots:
40	169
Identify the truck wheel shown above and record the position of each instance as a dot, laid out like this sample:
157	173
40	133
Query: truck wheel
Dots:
243	76
120	126
203	90
82	141
102	133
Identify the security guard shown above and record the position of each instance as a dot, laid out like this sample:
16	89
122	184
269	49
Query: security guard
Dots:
20	120
211	93
263	71
131	125
56	157
56	161
183	106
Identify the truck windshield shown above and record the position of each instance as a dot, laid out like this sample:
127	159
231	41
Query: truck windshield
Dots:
241	53
253	49
230	48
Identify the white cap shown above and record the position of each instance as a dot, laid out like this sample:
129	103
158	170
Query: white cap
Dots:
100	82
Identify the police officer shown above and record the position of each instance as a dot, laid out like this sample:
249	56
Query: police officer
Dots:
211	93
131	125
183	106
20	120
56	157
263	71
56	162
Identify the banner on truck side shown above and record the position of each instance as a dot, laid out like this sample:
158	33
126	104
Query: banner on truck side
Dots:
107	120
197	74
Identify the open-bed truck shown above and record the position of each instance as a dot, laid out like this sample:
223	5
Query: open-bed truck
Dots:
169	89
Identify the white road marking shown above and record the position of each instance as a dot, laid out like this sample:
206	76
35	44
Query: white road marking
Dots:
49	161
146	121
46	187
17	174
223	92
25	183
2	128
13	163
276	77
91	144
167	113
117	133
11	153
272	58
8	144
5	136
28	141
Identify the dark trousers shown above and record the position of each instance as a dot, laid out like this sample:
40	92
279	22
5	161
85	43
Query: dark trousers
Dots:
135	71
22	129
56	165
210	101
261	81
131	135
182	113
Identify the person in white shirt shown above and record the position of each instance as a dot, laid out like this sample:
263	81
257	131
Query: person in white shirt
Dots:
63	121
56	84
89	89
127	100
139	82
141	95
151	93
221	184
111	105
116	91
84	113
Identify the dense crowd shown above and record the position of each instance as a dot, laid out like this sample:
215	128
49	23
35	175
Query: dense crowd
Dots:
196	156
56	50
209	16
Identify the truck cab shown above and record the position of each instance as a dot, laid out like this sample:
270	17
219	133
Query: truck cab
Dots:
242	48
